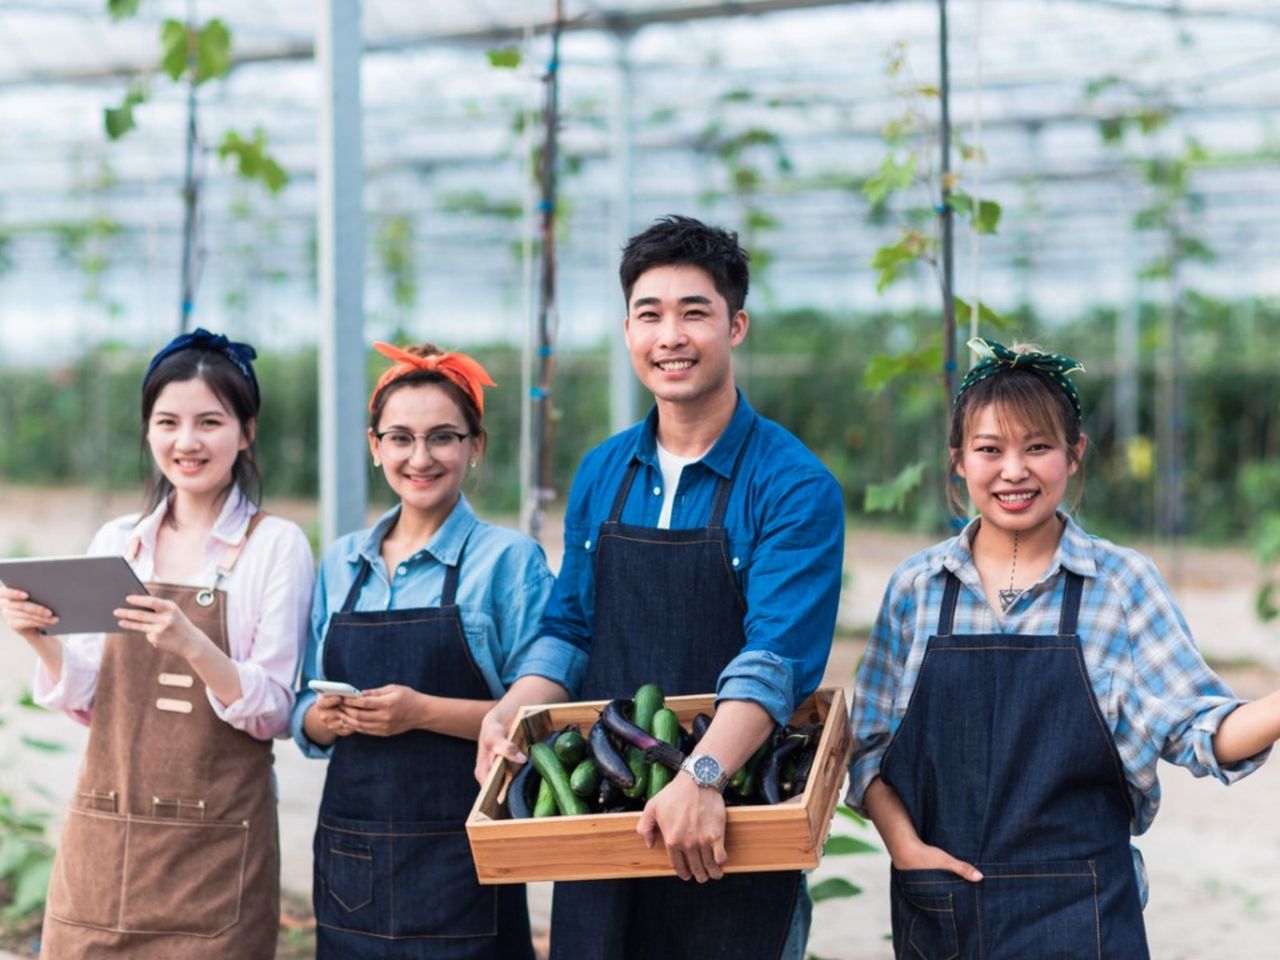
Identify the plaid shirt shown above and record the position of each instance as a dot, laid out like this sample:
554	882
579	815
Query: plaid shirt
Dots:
1153	687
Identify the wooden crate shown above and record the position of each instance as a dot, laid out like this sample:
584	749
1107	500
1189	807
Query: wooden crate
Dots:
785	836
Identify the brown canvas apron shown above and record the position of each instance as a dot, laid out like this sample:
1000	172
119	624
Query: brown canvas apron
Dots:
170	848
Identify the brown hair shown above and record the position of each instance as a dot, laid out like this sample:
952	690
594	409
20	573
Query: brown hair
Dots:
1022	395
433	377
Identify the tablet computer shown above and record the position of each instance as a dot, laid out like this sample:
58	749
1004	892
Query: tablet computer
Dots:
81	591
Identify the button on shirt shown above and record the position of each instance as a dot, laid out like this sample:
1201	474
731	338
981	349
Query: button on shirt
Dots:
502	589
785	525
268	593
1155	691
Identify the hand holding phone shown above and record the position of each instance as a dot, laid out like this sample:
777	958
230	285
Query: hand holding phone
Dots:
334	688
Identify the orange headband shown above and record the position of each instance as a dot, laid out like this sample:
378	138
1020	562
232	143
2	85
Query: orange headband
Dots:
461	369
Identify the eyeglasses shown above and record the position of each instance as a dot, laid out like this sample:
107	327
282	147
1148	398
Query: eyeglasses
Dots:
440	443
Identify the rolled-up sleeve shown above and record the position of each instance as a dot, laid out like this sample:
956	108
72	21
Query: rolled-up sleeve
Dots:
311	660
792	595
876	687
267	668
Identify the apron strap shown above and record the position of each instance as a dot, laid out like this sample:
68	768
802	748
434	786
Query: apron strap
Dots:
615	512
448	597
362	574
726	483
1071	594
232	554
948	612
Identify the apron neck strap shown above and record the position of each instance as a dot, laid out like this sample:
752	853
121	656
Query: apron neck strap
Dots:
448	596
948	613
1071	593
232	554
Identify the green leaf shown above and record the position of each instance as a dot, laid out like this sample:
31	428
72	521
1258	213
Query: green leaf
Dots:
30	887
883	368
839	845
1265	603
120	9
252	160
44	746
892	496
890	178
890	259
173	48
850	814
833	888
960	202
988	216
928	90
1111	129
1099	84
213	51
504	58
964	315
119	120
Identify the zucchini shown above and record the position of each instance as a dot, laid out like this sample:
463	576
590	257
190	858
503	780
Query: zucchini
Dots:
639	770
570	747
585	779
648	701
552	770
666	727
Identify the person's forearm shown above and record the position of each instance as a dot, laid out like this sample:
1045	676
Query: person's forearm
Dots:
526	692
48	648
737	729
218	671
1248	729
452	716
889	814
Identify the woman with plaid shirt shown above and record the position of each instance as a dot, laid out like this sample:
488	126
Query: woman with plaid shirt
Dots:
1020	683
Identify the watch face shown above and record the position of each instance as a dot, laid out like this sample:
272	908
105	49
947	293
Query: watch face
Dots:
706	769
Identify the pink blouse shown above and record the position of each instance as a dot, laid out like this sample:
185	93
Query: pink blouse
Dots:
268	596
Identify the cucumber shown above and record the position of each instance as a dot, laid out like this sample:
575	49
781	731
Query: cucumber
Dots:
545	805
666	727
570	747
751	769
585	779
640	769
648	701
552	770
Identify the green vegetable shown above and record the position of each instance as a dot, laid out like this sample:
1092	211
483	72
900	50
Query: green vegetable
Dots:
553	772
635	760
585	779
545	805
666	727
570	747
648	701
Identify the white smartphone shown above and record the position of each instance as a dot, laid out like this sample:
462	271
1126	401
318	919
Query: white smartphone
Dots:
334	687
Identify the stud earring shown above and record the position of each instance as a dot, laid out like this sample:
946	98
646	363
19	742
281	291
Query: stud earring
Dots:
377	463
473	464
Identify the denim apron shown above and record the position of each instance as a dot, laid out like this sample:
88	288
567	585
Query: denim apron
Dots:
668	610
393	871
1004	760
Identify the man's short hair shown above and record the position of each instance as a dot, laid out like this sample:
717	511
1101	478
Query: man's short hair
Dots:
675	240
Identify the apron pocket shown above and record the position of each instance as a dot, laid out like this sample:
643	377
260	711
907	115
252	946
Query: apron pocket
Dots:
405	879
1045	909
84	888
184	876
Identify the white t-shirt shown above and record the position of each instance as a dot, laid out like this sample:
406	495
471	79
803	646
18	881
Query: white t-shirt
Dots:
671	467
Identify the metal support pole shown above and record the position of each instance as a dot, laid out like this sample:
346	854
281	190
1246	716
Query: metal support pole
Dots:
948	220
340	183
622	389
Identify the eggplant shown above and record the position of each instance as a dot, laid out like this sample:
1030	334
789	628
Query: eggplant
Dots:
612	766
517	798
609	794
771	772
701	724
614	718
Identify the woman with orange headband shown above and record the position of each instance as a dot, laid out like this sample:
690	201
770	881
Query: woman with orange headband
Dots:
427	616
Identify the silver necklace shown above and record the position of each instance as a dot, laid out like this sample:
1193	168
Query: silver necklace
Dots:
1008	596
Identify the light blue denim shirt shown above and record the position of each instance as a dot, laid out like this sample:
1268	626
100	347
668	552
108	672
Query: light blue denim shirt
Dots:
503	586
785	524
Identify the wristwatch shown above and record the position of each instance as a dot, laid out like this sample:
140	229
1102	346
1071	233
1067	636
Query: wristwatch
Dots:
706	771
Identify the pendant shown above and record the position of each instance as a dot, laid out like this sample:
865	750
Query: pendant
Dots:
1006	599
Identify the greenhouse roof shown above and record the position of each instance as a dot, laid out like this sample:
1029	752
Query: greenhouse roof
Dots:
765	115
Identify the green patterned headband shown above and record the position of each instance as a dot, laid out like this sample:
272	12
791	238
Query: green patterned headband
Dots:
996	356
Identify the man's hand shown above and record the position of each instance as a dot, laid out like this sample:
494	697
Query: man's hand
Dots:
691	821
385	711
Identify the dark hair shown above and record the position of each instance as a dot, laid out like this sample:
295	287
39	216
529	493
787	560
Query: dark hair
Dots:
683	241
1019	394
435	378
232	389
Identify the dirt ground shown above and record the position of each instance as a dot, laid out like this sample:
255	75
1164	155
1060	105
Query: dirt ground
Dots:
1213	855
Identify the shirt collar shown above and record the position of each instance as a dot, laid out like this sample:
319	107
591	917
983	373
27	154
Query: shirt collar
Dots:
229	528
723	453
1074	553
445	545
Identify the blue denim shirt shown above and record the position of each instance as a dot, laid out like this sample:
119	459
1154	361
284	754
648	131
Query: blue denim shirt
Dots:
785	523
502	589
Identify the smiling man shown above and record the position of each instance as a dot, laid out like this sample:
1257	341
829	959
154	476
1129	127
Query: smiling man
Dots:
703	551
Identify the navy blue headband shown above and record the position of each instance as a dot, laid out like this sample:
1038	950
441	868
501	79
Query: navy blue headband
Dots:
240	354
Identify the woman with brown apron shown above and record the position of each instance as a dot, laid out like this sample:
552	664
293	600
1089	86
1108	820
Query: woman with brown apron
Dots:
170	847
428	615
